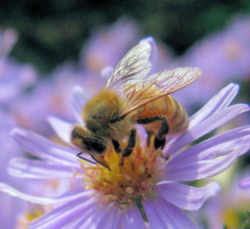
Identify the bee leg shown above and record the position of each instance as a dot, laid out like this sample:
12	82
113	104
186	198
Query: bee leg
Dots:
131	144
116	145
150	137
160	139
146	121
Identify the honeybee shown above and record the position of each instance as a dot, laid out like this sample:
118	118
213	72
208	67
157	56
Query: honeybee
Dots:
132	97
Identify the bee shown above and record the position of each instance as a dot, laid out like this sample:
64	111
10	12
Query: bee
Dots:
132	97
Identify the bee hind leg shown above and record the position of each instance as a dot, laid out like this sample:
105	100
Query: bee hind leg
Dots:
131	144
160	139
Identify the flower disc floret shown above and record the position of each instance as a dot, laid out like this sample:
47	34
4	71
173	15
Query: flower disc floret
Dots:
127	179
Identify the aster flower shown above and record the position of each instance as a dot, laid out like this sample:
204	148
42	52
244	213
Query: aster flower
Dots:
147	184
104	198
229	208
9	148
8	38
32	211
14	77
106	46
51	95
245	183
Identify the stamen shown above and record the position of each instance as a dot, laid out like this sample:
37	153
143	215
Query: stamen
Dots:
125	183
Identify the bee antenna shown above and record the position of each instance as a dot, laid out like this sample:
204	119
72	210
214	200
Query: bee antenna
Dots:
79	155
101	163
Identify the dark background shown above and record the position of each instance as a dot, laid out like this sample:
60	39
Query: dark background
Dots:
51	32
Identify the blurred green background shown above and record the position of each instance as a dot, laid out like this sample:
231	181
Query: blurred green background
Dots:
51	32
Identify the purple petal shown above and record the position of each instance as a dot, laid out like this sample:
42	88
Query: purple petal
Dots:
95	218
154	218
108	220
175	217
214	147
132	219
211	123
185	196
36	169
245	183
78	101
66	214
200	169
90	219
116	220
219	102
62	128
162	214
42	200
44	148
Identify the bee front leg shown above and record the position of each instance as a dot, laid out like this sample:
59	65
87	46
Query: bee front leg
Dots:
131	144
116	145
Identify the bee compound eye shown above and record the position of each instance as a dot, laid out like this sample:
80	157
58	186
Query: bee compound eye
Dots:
94	144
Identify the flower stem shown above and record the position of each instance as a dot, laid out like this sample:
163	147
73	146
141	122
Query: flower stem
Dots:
138	203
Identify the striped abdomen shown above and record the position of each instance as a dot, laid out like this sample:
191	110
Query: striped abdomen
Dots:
167	107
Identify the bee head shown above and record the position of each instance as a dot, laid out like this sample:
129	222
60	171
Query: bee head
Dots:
84	139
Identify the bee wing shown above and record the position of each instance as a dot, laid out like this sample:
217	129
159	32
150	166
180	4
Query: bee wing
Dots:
135	64
140	92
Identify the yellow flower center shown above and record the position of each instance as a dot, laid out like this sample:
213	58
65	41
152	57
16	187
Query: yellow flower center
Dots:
129	179
24	221
230	218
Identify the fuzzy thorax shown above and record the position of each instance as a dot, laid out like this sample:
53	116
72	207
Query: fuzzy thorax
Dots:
128	180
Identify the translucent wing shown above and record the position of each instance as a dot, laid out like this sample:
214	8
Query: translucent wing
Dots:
140	92
135	64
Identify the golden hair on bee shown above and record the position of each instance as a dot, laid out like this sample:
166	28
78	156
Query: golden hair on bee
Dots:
131	97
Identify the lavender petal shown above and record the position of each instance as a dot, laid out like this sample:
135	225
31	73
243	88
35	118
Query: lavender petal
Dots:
109	220
214	147
217	103
62	128
132	219
94	218
78	101
245	183
185	196
44	148
34	169
88	220
65	214
211	123
154	218
42	200
201	169
176	218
